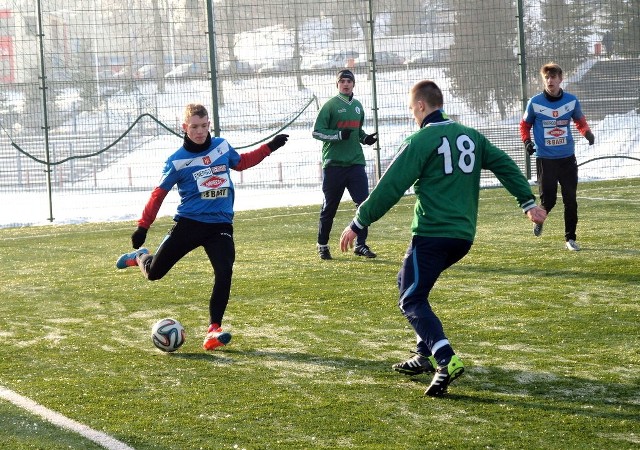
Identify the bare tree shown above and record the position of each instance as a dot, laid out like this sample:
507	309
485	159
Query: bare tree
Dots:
484	50
566	26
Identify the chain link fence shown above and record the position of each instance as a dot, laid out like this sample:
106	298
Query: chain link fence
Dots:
91	93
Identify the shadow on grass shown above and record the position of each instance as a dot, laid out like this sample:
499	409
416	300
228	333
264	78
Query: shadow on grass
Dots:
218	357
566	394
329	361
555	273
480	384
228	355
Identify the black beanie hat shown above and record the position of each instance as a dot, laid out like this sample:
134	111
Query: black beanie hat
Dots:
344	73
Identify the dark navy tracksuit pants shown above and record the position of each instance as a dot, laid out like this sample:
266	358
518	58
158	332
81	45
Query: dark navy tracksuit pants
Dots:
335	180
425	260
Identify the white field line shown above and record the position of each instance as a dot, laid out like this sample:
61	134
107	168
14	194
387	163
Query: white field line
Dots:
55	418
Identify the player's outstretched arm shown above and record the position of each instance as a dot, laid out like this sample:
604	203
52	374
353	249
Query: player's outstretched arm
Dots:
255	157
277	142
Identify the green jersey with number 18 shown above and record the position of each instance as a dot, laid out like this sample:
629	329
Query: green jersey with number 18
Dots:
443	162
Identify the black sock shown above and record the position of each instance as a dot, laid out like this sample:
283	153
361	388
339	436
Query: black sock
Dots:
443	355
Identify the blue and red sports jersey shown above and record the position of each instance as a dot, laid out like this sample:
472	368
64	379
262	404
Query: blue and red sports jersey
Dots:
551	122
204	182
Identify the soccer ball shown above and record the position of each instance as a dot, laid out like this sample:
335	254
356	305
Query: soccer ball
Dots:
168	335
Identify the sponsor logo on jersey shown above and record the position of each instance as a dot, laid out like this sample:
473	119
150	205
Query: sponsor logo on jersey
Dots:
556	132
219	168
562	122
220	150
214	193
555	142
213	182
202	173
180	164
352	124
549	123
342	110
206	160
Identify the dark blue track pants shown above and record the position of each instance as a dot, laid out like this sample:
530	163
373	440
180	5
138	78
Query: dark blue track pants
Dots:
425	260
335	181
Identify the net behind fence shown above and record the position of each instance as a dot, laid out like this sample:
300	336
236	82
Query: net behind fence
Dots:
92	92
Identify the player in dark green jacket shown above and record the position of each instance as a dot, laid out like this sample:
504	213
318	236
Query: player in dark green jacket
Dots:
442	161
339	127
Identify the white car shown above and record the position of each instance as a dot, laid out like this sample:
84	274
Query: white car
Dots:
239	67
428	57
179	71
188	70
331	59
146	71
382	59
278	65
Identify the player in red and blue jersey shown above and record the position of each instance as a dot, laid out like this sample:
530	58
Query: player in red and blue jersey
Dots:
201	169
550	113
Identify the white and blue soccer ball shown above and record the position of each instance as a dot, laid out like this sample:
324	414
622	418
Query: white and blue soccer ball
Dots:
168	335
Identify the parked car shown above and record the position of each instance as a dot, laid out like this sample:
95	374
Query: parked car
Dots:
146	72
179	71
420	59
239	67
11	103
382	59
330	59
278	65
428	57
63	74
188	70
122	74
107	73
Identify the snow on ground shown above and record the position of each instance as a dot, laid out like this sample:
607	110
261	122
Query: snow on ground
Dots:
616	135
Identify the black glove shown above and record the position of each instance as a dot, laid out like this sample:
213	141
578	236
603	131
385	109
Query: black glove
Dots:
344	134
277	142
138	237
590	137
528	146
370	139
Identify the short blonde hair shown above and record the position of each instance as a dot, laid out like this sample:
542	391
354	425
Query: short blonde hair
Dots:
551	68
194	109
429	92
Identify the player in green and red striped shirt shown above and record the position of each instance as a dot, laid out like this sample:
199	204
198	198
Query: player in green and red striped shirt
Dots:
442	161
339	127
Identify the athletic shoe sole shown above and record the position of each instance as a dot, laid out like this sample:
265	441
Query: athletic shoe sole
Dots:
219	340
